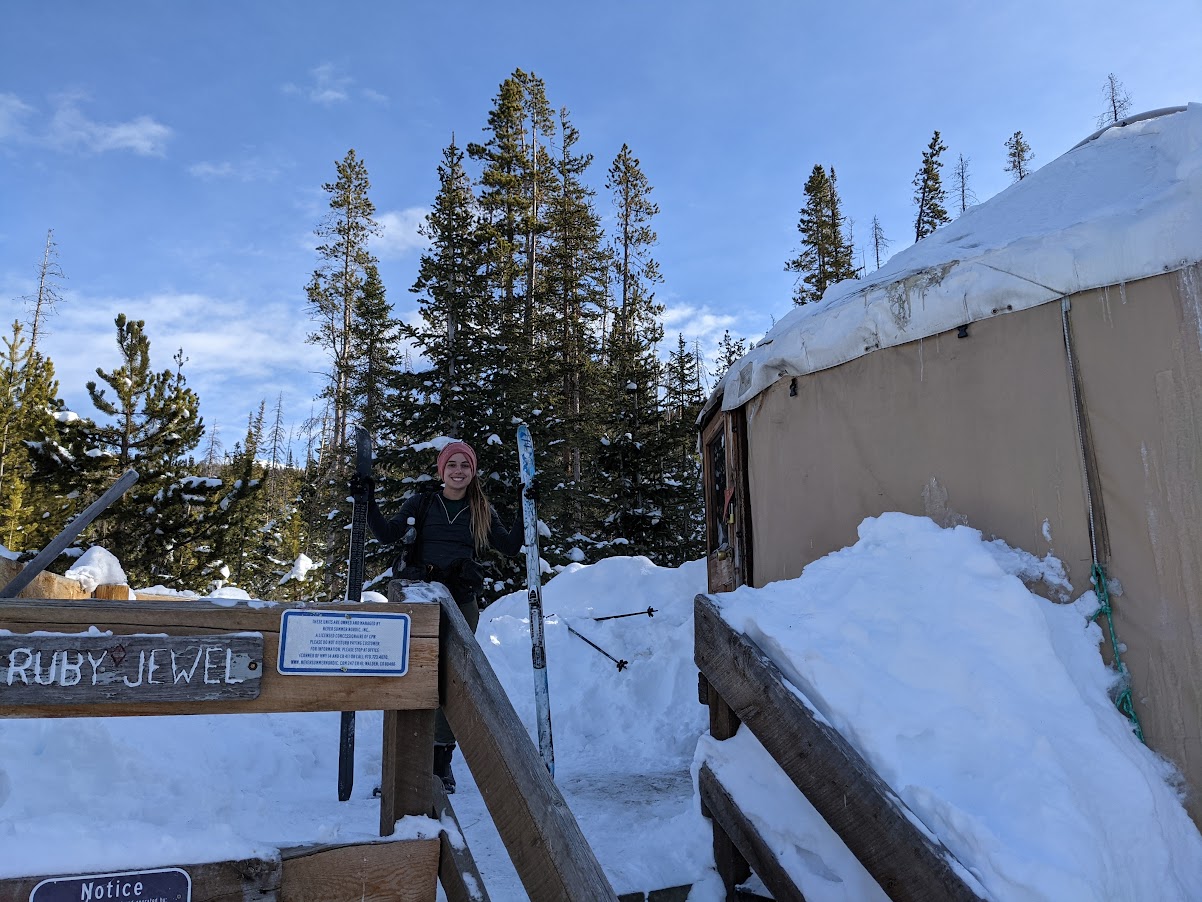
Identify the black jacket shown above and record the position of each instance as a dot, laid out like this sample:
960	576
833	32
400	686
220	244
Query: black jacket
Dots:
443	542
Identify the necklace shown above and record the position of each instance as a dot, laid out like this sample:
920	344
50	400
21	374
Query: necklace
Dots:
446	511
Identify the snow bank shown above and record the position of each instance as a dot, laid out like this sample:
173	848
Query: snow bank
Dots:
985	707
97	567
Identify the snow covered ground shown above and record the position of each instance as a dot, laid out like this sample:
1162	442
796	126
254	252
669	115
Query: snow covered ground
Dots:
985	706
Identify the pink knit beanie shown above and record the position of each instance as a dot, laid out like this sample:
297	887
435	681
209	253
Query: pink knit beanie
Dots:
456	448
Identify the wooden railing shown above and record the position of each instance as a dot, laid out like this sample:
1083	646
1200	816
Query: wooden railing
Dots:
742	685
548	849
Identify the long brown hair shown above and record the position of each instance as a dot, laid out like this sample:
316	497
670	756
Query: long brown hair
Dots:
481	514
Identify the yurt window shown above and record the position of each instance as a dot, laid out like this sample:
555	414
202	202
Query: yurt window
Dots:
715	456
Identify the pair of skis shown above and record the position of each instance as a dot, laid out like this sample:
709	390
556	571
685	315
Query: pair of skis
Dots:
354	592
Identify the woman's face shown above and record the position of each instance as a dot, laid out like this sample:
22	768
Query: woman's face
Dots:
457	473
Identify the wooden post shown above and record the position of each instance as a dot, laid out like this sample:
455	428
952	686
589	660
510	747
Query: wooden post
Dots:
407	765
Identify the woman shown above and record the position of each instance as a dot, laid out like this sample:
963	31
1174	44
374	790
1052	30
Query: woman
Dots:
442	536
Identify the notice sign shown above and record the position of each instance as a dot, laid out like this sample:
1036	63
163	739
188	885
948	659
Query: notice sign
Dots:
72	669
343	643
161	885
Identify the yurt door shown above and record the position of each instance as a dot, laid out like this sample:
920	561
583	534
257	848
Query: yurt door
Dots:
725	530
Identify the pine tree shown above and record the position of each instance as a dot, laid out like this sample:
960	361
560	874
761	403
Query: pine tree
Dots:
336	293
166	527
730	351
633	455
337	286
826	256
1018	157
963	193
1118	102
929	194
27	402
683	399
575	270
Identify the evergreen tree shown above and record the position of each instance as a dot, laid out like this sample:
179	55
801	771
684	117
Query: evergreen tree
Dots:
345	281
166	527
683	400
929	194
1018	157
575	270
826	256
1118	102
27	403
633	455
336	288
730	350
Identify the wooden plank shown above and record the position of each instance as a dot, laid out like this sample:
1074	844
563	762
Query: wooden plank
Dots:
407	762
222	881
44	585
417	690
113	592
399	871
538	829
89	670
753	848
457	871
868	816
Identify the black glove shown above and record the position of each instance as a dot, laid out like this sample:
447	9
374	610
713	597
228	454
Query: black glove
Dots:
362	485
530	490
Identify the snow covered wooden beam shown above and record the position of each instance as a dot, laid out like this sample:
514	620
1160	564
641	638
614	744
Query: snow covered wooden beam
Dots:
906	860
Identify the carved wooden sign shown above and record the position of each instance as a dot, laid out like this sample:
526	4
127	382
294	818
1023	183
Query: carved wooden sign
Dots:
73	669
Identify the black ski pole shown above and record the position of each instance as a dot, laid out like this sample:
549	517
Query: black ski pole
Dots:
650	612
621	664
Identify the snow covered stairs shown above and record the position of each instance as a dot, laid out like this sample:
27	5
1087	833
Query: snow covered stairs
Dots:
742	685
544	841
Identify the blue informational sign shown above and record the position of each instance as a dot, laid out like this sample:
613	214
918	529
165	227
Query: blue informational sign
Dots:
160	885
344	643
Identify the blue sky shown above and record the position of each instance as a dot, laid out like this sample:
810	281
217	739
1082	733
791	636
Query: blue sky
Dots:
178	150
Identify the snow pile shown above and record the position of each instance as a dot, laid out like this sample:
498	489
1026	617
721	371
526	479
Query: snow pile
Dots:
641	719
1121	207
97	567
984	706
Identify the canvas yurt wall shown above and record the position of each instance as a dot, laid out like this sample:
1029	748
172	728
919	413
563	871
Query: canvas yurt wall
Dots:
981	430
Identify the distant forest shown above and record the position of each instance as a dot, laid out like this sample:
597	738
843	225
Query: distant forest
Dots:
530	311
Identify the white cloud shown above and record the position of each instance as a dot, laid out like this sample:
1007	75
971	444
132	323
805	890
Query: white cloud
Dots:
250	170
70	129
328	86
12	111
697	322
401	235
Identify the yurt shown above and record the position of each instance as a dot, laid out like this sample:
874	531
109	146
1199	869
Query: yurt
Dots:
1032	369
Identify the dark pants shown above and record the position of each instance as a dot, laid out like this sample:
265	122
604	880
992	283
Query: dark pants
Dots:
442	729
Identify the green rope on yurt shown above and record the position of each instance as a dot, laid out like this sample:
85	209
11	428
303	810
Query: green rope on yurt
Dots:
1123	701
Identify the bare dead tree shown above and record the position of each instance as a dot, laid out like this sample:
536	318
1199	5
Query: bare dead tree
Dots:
964	194
1118	102
43	303
880	243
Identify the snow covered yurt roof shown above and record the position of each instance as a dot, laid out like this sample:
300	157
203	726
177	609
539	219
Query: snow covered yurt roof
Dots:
1122	205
